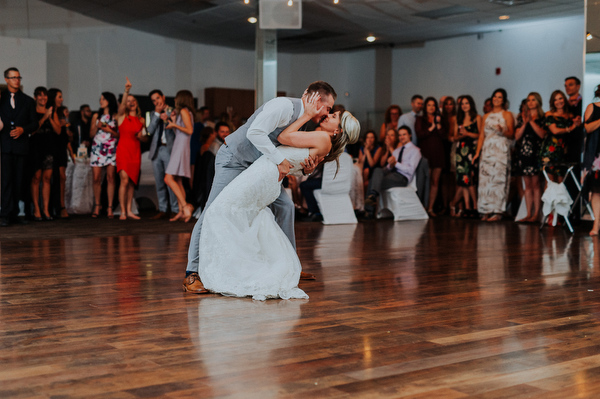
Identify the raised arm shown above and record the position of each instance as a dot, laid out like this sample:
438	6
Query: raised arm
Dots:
123	105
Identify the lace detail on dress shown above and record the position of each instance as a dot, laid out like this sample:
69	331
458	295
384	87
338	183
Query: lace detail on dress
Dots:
243	252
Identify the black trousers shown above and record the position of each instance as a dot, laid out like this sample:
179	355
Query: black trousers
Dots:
12	180
308	188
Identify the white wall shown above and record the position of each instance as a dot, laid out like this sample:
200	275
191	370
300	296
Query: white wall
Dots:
535	57
27	55
86	57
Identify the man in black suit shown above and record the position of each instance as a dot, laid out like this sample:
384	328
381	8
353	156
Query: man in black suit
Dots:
17	111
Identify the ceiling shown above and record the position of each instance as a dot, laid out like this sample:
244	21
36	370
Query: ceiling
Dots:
325	26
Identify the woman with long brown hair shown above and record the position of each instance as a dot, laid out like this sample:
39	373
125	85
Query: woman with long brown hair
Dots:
529	135
181	121
430	136
392	115
559	122
493	152
129	154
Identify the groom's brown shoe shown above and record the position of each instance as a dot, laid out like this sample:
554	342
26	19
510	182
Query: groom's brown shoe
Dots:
193	284
307	276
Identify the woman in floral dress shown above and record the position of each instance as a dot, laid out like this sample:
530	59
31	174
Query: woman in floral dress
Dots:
104	133
559	122
466	133
494	166
529	135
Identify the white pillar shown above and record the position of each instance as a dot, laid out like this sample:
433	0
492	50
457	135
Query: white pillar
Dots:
265	81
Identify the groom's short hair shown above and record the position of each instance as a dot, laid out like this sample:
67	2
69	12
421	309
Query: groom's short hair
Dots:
323	88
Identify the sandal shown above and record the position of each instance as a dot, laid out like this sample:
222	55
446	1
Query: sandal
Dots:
109	212
97	208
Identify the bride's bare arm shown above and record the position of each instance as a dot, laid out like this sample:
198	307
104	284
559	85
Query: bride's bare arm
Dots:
319	143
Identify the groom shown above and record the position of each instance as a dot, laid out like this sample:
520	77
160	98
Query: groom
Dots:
257	137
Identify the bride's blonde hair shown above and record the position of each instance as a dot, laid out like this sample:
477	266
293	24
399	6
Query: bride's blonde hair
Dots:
349	133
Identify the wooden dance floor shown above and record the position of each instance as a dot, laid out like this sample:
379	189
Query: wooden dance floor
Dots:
447	308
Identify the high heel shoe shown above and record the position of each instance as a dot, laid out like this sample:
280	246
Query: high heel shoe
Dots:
109	213
47	217
97	208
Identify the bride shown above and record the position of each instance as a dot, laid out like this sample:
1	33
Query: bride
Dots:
244	251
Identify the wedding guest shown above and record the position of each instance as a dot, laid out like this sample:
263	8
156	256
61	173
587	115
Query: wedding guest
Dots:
387	148
61	140
493	153
205	170
222	130
466	133
431	133
408	119
448	179
195	144
104	147
42	155
205	117
82	127
161	146
592	156
392	115
369	157
17	112
129	154
529	135
398	172
182	122
487	106
576	137
559	122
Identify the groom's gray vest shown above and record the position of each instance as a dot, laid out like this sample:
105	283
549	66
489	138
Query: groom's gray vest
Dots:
243	150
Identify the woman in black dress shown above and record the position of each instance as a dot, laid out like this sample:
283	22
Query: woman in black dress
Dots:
466	133
430	136
529	136
592	127
42	155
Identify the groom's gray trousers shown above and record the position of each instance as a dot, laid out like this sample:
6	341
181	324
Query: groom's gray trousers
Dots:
227	168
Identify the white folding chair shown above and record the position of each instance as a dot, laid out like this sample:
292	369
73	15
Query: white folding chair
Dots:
402	203
334	196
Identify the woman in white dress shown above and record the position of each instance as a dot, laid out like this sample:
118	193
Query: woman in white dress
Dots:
493	151
244	252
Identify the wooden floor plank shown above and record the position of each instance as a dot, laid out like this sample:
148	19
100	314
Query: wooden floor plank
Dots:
446	308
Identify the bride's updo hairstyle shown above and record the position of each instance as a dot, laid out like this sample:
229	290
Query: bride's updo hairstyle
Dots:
350	131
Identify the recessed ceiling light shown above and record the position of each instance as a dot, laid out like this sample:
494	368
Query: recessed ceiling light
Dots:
252	20
371	39
290	3
336	1
503	17
246	1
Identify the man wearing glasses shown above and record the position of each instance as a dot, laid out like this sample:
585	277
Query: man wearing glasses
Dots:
17	112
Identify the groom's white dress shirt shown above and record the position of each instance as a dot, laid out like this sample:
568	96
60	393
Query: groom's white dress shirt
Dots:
276	113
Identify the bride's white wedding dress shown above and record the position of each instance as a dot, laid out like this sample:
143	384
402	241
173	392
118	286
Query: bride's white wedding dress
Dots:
243	251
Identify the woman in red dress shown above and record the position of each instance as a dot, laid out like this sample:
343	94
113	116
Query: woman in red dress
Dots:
129	154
